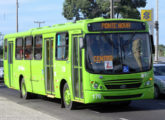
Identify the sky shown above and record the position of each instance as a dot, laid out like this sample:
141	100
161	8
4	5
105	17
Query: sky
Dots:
50	11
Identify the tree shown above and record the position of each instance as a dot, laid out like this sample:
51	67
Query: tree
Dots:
88	9
161	50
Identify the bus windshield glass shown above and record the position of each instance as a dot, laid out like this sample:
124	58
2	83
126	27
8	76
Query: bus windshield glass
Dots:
118	53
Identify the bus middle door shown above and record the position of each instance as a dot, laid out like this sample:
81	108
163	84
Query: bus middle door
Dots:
48	63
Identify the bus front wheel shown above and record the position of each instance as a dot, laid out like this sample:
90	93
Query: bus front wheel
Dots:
68	103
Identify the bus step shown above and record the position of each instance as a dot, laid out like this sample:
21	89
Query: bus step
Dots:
51	96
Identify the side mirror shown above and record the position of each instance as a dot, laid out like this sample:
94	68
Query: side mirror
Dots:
81	40
152	44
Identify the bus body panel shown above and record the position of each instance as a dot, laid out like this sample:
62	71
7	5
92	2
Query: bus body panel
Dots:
112	96
34	71
93	95
37	74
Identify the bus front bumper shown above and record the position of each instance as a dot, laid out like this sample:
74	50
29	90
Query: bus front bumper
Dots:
122	95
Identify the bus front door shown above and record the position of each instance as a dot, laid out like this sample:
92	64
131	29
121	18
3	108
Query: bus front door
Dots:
48	63
77	68
10	64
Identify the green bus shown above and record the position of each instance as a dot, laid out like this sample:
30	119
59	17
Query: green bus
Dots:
88	61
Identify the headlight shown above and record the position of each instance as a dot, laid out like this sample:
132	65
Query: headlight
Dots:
148	83
95	85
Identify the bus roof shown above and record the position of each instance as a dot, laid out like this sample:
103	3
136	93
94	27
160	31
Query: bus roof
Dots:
66	26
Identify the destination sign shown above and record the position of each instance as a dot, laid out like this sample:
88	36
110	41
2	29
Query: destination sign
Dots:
116	26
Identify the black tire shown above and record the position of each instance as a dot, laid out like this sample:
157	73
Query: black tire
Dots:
68	103
156	92
23	92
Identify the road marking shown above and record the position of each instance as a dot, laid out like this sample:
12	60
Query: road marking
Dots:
123	119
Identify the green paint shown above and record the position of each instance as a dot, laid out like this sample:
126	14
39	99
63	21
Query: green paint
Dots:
62	69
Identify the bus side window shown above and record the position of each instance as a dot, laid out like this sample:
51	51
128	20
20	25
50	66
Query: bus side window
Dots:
19	49
5	50
38	48
28	48
62	42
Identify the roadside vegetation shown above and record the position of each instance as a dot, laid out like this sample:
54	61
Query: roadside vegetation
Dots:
162	50
88	9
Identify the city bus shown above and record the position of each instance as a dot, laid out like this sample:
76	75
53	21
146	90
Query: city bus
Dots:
87	61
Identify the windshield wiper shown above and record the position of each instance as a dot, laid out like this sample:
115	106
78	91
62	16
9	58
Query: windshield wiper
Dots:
128	41
126	44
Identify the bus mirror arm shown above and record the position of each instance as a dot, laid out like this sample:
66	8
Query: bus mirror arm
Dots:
81	42
152	44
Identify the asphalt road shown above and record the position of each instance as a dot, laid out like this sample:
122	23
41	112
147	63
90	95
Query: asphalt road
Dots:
138	110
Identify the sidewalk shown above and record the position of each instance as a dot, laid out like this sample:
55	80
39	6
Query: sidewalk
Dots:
13	111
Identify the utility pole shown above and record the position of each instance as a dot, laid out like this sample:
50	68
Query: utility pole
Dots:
39	23
157	31
111	9
16	15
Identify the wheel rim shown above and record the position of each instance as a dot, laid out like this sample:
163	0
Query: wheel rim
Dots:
23	89
67	96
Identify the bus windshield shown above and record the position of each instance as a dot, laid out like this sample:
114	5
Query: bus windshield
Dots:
118	53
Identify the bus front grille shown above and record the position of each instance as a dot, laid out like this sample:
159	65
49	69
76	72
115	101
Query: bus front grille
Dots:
123	97
123	84
127	86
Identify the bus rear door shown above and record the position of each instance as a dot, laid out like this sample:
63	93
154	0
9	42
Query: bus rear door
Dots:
10	64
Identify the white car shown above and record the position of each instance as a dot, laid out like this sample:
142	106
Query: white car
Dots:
1	69
159	76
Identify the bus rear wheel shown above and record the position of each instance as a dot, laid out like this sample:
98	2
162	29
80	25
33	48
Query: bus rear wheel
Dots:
23	92
68	103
